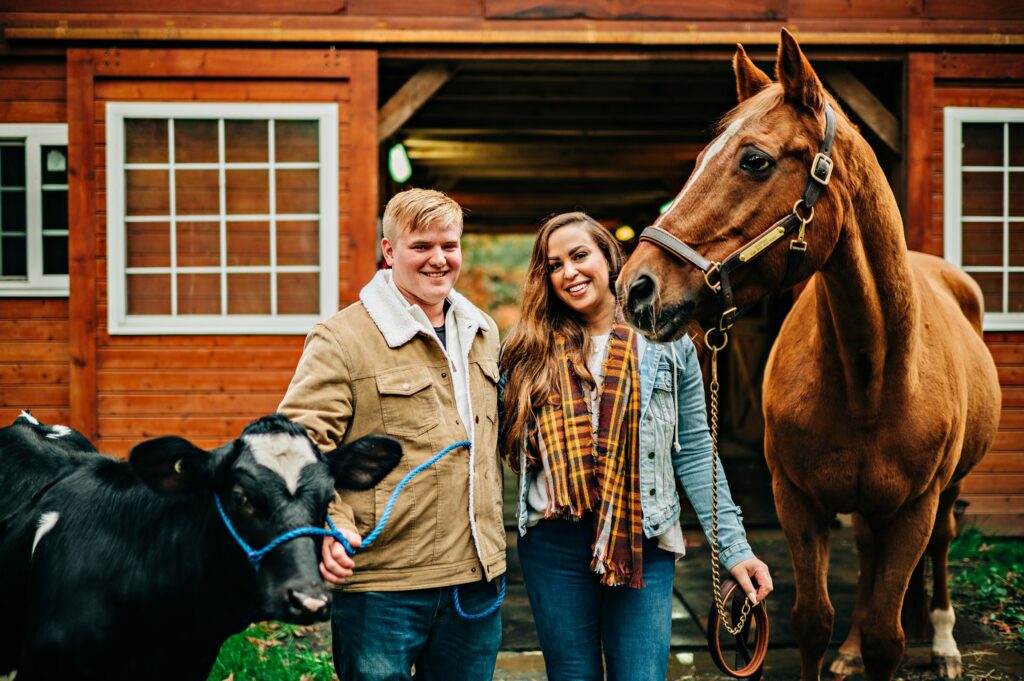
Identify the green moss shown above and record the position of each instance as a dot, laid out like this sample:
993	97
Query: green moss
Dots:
990	572
272	651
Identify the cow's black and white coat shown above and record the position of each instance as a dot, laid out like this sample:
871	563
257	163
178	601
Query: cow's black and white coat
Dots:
124	570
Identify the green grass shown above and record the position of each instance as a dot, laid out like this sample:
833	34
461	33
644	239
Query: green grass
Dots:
272	651
992	570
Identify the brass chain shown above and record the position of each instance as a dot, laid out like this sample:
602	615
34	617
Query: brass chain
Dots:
715	577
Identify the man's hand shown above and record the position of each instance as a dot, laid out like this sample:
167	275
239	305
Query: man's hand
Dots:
753	567
337	566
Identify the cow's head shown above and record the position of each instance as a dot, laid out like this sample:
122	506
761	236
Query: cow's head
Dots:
271	480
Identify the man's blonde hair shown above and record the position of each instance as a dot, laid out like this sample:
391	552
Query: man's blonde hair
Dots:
416	209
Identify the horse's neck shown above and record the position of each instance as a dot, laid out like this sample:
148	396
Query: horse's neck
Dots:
869	308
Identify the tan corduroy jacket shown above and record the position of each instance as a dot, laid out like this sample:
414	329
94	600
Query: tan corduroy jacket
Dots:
371	368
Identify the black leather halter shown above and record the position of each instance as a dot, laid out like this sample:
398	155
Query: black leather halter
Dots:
820	174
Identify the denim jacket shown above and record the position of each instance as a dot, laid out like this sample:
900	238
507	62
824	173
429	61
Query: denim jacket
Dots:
660	464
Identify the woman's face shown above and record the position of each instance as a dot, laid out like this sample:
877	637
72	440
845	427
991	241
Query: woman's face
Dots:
578	272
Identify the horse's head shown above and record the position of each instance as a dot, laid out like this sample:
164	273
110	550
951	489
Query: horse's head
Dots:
744	182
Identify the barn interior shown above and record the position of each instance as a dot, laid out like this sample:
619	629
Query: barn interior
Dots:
516	140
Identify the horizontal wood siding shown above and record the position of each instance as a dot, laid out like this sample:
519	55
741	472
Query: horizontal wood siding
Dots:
995	489
206	388
33	331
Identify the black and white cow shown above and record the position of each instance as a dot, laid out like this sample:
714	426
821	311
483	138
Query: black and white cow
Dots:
125	570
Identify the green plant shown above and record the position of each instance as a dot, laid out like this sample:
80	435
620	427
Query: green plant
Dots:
272	651
990	571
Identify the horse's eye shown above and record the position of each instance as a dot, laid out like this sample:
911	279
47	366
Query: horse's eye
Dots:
755	162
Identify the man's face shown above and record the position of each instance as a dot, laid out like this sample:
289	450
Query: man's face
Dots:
425	263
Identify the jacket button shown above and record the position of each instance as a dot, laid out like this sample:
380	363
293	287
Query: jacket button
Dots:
655	526
473	570
444	375
653	491
650	455
405	386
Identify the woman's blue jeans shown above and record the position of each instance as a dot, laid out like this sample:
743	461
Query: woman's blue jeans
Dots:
578	618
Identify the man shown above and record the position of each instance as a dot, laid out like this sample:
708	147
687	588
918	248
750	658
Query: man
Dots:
417	361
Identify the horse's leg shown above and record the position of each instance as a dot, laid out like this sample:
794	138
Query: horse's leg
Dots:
945	655
900	542
849	661
806	530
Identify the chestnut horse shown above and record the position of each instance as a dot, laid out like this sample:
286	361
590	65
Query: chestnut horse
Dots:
879	393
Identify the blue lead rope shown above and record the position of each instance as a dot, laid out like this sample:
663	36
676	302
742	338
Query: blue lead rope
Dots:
256	556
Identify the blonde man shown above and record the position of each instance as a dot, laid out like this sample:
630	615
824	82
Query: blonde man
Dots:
417	361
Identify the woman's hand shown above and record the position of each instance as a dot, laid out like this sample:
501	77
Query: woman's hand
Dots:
337	566
753	567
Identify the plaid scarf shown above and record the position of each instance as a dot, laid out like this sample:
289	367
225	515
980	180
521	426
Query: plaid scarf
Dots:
602	476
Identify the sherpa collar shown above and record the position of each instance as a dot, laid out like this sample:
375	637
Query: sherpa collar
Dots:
389	311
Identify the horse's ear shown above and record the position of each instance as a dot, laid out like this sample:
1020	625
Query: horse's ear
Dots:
798	79
749	78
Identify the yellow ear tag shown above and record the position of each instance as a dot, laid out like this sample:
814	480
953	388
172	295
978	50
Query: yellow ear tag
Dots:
179	467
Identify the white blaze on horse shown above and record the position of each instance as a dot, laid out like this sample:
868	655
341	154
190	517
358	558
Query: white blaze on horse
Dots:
879	393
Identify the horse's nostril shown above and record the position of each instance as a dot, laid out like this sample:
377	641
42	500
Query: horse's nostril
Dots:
642	291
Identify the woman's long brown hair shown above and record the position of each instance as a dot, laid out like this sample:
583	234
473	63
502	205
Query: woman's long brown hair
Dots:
527	357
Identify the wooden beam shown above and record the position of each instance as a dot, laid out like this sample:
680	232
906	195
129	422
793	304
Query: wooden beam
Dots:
919	131
410	97
364	168
82	242
863	102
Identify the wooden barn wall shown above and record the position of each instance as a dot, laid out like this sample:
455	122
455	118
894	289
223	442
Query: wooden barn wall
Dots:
995	489
207	387
33	331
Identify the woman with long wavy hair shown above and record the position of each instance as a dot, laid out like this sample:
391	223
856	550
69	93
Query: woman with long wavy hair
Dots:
599	423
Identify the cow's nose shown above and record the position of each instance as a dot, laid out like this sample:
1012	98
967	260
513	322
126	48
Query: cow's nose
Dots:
314	605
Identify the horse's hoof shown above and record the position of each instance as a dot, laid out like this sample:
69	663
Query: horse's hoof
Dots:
947	666
847	665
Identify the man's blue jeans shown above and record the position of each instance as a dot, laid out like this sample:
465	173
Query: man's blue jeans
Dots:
578	618
380	635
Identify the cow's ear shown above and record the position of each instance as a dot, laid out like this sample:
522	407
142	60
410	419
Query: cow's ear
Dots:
363	463
172	465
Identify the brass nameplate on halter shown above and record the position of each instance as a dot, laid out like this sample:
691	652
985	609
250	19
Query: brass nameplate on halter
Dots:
770	237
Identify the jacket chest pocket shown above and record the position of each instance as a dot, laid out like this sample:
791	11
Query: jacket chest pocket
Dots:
663	403
408	401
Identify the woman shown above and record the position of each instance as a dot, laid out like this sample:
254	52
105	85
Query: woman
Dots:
599	422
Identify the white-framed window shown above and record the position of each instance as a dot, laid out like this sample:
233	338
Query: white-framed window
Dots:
221	218
33	209
984	206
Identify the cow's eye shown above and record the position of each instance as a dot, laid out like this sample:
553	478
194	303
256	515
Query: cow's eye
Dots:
756	162
241	500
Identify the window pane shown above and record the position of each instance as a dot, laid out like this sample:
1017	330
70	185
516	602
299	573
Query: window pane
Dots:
296	141
147	192
992	287
1016	194
55	209
983	144
197	192
298	243
1016	243
1017	144
983	243
145	140
982	194
149	293
248	243
54	162
55	255
1016	297
298	191
198	244
198	294
14	259
195	141
247	192
148	244
12	211
298	293
249	293
245	142
12	165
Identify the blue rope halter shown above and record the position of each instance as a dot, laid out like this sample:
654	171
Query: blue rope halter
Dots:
256	556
